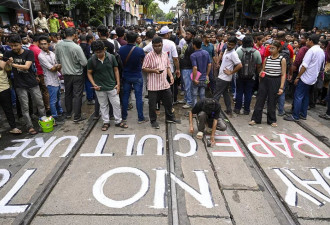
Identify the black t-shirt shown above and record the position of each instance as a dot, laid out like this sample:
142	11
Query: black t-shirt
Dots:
210	106
109	46
185	63
23	78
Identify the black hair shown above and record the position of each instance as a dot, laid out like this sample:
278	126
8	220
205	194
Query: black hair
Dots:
53	34
247	41
131	37
277	44
305	35
120	31
70	31
191	30
197	42
97	46
232	39
314	38
82	37
15	39
44	38
103	30
35	37
89	37
157	40
324	43
150	34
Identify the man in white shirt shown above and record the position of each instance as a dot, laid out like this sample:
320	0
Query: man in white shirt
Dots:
230	65
309	70
41	21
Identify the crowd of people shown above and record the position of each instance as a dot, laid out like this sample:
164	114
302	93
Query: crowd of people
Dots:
160	64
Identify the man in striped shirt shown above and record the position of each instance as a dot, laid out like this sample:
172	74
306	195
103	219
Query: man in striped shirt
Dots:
157	65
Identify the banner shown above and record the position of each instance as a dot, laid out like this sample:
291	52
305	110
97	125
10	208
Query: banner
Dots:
123	5
140	8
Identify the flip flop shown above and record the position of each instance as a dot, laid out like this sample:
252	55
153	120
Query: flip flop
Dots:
105	126
32	131
252	123
121	125
15	131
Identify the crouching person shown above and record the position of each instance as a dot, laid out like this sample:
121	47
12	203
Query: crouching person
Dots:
208	116
102	72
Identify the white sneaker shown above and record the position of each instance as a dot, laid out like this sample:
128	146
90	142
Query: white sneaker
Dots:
186	106
199	135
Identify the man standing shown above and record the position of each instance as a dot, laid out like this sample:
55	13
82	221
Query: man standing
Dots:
50	67
102	71
73	60
120	31
230	65
157	65
20	61
132	57
307	76
103	33
41	21
54	24
207	46
40	73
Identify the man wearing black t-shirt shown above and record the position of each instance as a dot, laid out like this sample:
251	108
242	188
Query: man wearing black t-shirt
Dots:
103	33
20	61
208	115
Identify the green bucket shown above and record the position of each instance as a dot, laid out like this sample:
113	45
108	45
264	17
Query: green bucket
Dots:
47	126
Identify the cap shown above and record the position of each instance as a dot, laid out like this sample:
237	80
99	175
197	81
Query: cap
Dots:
143	33
55	15
113	32
238	33
241	37
165	30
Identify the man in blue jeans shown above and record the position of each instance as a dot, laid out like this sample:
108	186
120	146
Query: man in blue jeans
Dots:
132	58
186	66
307	76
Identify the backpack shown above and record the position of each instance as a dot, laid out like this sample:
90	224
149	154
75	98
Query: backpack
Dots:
116	45
249	65
285	52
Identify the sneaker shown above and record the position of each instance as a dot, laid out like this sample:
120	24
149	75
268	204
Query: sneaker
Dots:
325	116
229	113
290	118
68	116
96	117
173	121
155	125
90	102
79	119
143	121
237	111
281	113
303	118
182	93
186	106
181	102
246	112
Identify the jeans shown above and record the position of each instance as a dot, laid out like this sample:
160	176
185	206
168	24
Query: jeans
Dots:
212	80
187	85
301	100
198	90
166	97
6	104
23	97
74	87
244	87
233	85
55	100
90	93
104	97
137	84
281	100
222	87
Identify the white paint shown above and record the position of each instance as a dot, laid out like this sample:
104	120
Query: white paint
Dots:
286	150
259	142
293	191
192	143
99	148
304	141
130	143
17	149
232	143
160	189
39	144
73	141
5	177
4	208
326	172
100	182
140	146
204	197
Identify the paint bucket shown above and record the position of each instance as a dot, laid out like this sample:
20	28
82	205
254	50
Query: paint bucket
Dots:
47	126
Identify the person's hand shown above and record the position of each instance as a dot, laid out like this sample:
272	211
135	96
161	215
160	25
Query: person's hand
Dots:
217	66
177	73
227	72
207	79
296	81
280	91
191	130
118	88
212	141
157	71
38	79
289	78
97	88
172	80
196	82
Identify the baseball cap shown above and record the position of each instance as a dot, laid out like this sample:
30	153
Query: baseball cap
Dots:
143	33
113	32
165	30
241	37
55	15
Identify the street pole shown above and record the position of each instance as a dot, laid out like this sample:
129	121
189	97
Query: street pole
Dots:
31	16
262	9
69	3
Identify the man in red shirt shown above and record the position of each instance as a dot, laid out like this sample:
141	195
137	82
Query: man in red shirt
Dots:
40	74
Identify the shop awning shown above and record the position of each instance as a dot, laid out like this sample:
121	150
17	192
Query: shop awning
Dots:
271	13
13	4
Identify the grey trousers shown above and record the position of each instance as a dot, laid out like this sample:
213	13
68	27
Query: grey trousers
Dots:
222	87
24	100
74	87
113	97
204	120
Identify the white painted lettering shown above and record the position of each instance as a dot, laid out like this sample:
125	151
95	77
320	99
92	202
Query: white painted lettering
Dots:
192	142
140	146
99	148
232	143
130	143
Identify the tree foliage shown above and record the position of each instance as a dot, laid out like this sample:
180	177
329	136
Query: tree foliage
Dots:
155	12
197	4
170	16
99	8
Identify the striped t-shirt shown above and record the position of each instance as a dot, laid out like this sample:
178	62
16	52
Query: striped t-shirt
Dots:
273	66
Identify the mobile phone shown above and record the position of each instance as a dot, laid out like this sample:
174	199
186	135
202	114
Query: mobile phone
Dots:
5	59
161	71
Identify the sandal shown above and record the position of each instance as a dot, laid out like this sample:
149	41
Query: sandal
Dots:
252	123
105	126
273	124
142	121
121	125
32	131
15	131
